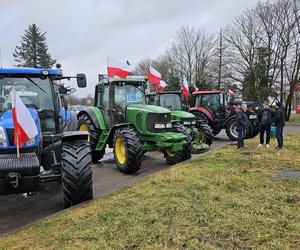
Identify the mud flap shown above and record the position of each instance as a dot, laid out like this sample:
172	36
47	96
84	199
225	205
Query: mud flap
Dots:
19	175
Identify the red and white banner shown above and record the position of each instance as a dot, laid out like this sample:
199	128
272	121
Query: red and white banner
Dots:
116	68
24	126
230	93
154	77
185	88
162	85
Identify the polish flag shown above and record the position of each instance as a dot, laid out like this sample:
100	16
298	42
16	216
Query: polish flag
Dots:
162	85
230	93
116	68
24	126
185	88
154	77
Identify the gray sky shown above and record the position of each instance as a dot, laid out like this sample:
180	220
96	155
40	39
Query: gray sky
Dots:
81	34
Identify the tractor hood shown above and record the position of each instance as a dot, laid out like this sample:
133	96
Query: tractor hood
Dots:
6	122
181	115
147	108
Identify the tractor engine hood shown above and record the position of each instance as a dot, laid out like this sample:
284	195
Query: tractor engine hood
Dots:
6	122
182	115
146	108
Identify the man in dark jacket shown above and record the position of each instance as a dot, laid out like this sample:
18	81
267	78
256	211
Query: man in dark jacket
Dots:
265	118
279	121
241	125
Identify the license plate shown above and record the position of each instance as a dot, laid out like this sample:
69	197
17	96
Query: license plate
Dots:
252	117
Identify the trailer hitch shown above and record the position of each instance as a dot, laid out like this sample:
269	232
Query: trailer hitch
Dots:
13	179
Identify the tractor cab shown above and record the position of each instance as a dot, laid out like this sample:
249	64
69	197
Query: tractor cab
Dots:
171	100
115	97
214	103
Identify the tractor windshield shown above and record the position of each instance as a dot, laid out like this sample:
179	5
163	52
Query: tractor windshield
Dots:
171	101
129	94
34	92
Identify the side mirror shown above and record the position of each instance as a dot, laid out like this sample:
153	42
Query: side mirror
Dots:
101	88
81	80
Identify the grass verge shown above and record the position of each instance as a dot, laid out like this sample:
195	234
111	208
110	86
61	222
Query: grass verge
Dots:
294	120
227	199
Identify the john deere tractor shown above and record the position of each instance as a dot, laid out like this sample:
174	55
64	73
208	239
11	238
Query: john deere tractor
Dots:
212	106
121	119
59	152
199	130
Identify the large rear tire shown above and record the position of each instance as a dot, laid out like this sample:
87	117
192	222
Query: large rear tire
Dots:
77	176
231	130
85	123
127	150
185	153
206	133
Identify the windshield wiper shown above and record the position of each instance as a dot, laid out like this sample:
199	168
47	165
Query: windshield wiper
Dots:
29	79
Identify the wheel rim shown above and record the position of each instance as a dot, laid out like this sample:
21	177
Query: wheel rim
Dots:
171	154
120	151
233	130
83	127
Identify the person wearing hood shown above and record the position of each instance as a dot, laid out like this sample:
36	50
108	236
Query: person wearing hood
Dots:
279	122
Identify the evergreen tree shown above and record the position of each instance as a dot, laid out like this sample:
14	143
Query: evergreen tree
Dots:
33	51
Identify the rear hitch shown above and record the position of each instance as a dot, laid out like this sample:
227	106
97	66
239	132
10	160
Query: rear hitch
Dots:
13	179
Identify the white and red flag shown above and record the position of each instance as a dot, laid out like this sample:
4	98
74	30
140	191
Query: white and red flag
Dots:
24	126
116	68
230	93
154	77
185	88
162	85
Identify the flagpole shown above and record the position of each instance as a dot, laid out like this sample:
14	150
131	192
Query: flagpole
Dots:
18	149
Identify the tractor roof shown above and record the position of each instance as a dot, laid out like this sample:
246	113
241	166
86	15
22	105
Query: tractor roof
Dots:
166	92
130	79
29	71
207	92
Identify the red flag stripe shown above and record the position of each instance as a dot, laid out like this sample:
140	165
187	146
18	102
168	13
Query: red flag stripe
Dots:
111	72
22	136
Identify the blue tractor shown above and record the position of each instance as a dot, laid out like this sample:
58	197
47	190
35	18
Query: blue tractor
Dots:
58	152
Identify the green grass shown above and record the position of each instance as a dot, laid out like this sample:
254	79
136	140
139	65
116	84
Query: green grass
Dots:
294	120
226	199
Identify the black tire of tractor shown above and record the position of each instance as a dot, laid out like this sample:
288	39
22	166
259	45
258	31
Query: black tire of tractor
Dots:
186	152
255	129
133	150
216	131
85	119
207	133
249	131
230	126
77	176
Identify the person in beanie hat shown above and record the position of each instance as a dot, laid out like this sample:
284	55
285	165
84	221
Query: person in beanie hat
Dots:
279	122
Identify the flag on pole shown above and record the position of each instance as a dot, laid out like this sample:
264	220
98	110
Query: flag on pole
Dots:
185	88
24	126
116	68
154	77
162	85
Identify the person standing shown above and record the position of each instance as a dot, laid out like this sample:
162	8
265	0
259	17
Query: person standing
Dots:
265	118
279	122
241	125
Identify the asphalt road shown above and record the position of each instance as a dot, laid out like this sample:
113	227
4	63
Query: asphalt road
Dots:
17	211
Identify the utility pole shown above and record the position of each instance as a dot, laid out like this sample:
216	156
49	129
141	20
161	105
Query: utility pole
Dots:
220	59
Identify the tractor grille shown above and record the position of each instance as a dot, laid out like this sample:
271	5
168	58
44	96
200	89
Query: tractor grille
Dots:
153	118
10	135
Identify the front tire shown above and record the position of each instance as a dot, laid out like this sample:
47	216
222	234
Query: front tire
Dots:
85	123
127	150
206	134
77	176
185	153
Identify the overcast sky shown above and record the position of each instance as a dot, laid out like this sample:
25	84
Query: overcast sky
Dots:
82	33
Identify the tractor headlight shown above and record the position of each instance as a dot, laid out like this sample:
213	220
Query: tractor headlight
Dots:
193	122
186	123
2	137
252	117
31	141
169	125
159	125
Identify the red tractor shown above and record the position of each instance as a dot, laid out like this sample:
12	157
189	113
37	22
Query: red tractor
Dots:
213	107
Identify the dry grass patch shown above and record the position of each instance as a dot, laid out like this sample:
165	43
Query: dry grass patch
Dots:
227	199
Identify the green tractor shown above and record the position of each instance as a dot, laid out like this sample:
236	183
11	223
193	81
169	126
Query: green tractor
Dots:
199	130
121	119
